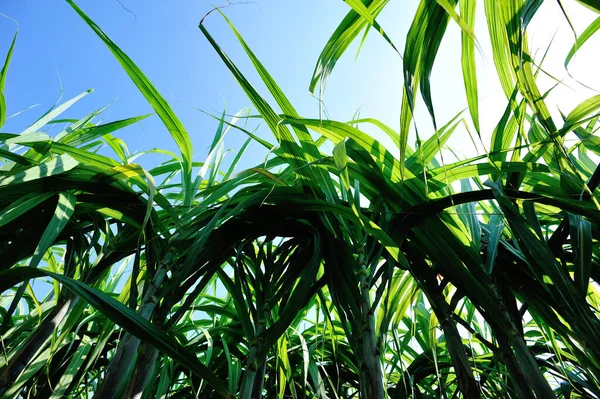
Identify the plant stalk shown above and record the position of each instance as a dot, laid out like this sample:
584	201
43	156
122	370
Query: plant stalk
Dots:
125	355
39	338
371	373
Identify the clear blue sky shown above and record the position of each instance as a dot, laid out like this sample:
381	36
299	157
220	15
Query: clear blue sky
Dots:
164	40
287	35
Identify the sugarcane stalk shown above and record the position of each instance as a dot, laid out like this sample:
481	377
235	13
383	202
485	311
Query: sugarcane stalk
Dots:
36	341
252	383
125	355
144	367
464	373
371	372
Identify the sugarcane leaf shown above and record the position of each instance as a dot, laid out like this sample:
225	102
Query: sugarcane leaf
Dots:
581	39
120	314
581	241
158	103
3	74
54	166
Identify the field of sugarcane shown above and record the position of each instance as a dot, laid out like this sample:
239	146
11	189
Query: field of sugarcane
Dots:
336	268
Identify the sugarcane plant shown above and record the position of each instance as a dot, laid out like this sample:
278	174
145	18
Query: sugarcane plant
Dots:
336	268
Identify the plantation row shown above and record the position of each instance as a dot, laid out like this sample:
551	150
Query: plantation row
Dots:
364	271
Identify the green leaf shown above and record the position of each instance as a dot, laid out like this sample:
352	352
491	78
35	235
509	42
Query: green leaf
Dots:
363	11
87	134
3	73
340	40
27	138
55	166
422	44
4	70
467	12
495	227
46	118
584	109
500	46
128	319
160	105
587	33
64	210
420	159
308	151
295	155
591	4
339	155
22	206
581	242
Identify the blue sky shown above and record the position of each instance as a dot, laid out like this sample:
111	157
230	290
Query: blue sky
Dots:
54	46
163	39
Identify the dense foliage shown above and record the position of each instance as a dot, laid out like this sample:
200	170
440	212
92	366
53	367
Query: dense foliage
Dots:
355	272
